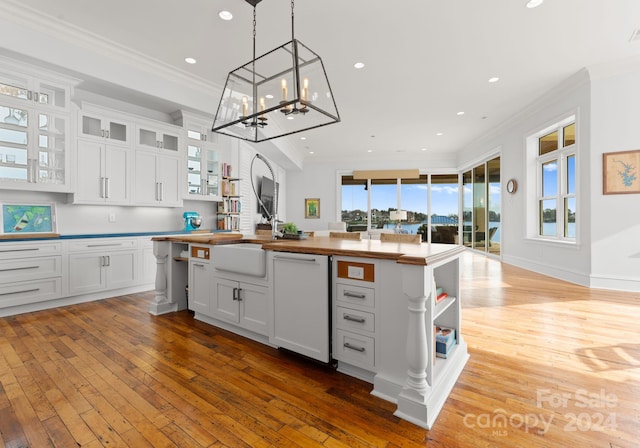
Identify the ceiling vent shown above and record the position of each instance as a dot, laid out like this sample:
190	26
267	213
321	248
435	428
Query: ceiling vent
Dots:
635	36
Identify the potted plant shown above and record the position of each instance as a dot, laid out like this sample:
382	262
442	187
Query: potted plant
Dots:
290	228
290	231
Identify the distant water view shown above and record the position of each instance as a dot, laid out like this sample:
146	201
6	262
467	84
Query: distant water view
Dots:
549	228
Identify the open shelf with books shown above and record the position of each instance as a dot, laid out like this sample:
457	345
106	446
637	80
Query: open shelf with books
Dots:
230	207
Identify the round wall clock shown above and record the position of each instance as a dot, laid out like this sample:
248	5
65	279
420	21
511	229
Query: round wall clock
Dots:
512	186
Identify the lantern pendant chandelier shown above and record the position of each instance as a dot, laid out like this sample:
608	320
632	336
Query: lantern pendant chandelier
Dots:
280	93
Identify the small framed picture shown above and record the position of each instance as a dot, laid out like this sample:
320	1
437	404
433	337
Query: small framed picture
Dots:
19	219
312	208
621	172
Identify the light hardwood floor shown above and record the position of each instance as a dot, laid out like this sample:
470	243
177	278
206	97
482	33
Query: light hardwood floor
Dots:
109	374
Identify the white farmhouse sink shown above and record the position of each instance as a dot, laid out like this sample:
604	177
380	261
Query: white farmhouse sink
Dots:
241	258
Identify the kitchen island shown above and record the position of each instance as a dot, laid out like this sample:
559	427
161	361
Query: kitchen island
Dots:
383	311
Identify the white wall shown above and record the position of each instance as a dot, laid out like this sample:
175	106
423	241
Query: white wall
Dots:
615	232
570	262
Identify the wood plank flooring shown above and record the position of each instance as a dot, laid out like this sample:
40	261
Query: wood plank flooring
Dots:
552	365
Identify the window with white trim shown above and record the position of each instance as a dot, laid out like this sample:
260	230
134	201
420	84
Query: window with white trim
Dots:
555	153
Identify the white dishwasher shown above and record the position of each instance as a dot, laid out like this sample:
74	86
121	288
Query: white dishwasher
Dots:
301	304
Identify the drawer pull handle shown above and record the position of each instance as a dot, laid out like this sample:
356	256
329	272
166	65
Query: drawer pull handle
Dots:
19	292
295	259
354	295
18	250
353	347
19	269
105	245
359	320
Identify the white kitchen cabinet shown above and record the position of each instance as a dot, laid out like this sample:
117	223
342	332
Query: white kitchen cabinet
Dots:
29	273
103	173
300	311
200	278
148	136
102	264
102	125
203	175
34	130
147	261
157	180
241	303
355	312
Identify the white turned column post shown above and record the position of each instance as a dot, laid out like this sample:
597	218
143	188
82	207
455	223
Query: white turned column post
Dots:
412	400
161	251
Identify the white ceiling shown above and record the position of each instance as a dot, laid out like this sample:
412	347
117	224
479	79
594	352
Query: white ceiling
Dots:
426	60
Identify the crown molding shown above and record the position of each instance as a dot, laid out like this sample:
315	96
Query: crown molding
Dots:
34	20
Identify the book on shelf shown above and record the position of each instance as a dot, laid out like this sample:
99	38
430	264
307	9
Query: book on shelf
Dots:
440	297
226	170
445	340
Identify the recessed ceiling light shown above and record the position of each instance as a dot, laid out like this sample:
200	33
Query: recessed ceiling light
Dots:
225	15
534	3
269	96
289	117
359	65
494	79
423	149
369	150
311	152
439	134
460	113
303	138
190	60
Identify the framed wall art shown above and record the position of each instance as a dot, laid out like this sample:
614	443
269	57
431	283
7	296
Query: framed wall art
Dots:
621	172
312	208
28	218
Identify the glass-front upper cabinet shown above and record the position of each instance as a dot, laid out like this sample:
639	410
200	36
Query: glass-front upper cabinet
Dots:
148	137
99	125
34	128
202	166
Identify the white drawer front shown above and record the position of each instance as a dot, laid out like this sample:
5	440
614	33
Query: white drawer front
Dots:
22	269
355	320
101	245
11	251
356	295
354	349
21	293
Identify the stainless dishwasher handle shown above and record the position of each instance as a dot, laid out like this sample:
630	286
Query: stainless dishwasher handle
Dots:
308	260
353	347
354	295
359	320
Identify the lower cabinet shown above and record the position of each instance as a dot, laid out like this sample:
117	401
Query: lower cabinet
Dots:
199	299
240	303
98	265
29	273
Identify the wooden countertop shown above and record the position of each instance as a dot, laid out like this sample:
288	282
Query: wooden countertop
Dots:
414	254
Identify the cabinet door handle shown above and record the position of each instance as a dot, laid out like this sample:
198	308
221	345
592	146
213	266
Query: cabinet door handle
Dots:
107	181
354	295
235	293
19	292
353	347
105	245
239	294
102	187
102	132
359	320
161	191
200	265
107	133
108	258
36	97
23	268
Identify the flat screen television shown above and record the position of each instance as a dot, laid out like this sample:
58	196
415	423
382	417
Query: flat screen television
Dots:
267	193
